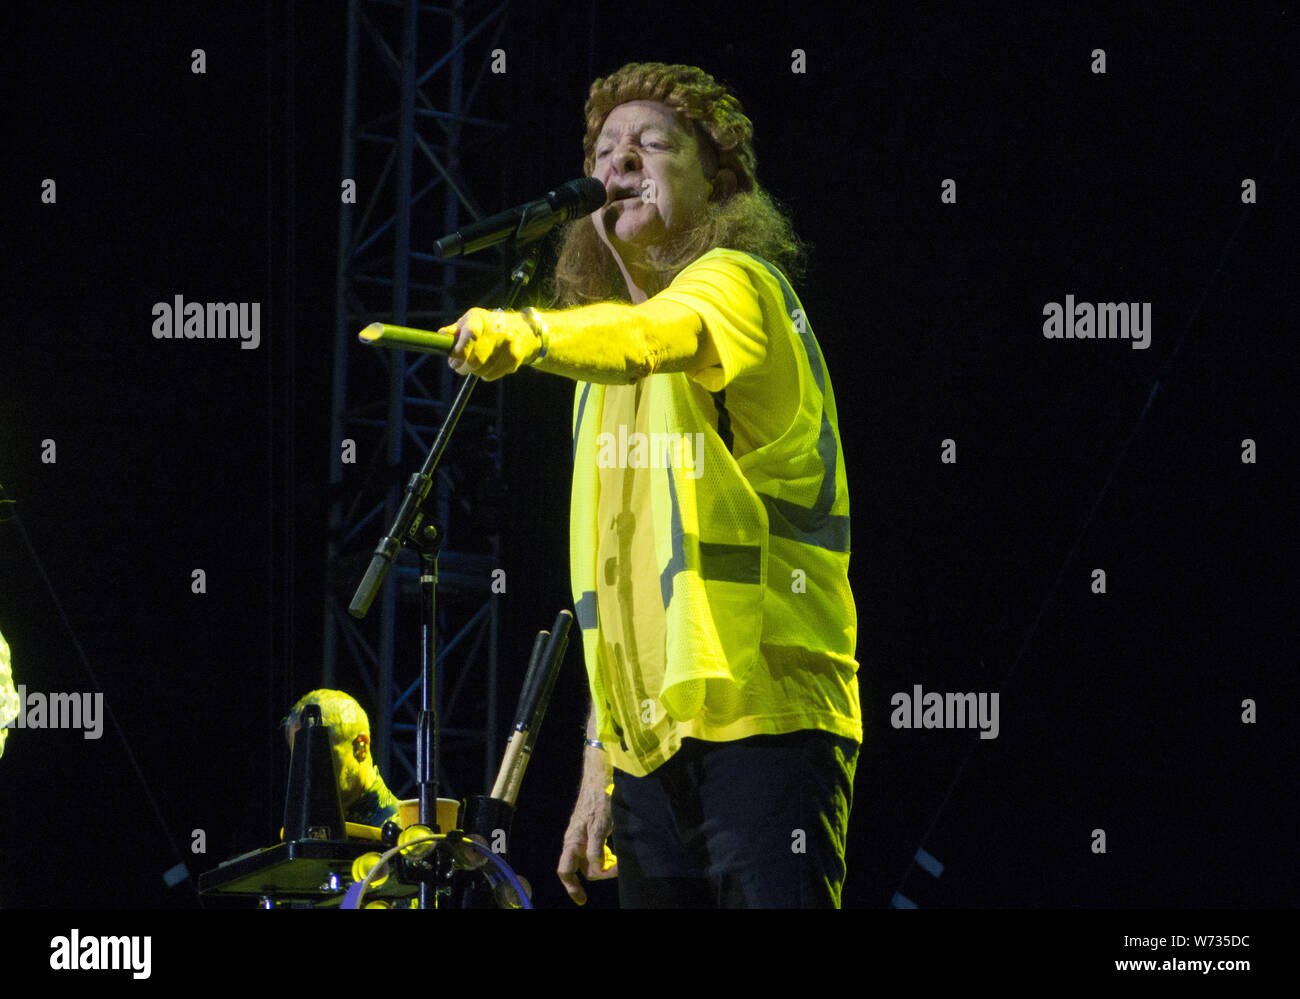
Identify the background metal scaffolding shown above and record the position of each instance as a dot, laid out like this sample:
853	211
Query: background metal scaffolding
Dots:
414	71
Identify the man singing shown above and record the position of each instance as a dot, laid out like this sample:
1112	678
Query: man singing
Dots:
710	517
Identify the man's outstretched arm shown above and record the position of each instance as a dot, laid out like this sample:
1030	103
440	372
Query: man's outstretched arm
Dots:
608	343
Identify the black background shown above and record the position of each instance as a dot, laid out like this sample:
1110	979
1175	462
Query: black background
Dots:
1119	712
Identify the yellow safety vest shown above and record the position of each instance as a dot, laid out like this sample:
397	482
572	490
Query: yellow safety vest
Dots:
750	551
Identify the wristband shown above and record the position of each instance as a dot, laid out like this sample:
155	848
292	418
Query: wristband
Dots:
538	326
595	744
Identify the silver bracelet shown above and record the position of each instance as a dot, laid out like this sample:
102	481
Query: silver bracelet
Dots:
539	327
595	744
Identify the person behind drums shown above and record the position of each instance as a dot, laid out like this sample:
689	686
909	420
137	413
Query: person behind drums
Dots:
366	799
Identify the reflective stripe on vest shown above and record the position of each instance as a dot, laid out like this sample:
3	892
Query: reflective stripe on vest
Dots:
723	562
813	525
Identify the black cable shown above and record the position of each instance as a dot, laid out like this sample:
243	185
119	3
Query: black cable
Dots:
95	685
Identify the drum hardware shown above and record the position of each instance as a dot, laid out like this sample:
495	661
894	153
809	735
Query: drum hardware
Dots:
465	866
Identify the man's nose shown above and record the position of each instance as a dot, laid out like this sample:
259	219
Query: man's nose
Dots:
626	159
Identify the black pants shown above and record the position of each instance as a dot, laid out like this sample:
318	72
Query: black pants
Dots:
754	823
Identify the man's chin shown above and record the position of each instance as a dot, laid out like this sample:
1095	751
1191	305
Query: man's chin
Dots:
636	237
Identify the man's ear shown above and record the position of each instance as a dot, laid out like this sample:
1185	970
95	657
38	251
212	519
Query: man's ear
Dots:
361	747
724	185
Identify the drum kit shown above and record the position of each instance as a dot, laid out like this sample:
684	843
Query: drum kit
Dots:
455	861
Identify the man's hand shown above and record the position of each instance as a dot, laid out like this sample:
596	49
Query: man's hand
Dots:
491	344
585	851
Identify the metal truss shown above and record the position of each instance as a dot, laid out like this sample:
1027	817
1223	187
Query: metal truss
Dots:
414	71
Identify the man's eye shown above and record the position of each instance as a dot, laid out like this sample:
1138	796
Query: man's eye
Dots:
601	152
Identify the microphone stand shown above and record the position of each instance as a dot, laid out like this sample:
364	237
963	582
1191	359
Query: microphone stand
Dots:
409	527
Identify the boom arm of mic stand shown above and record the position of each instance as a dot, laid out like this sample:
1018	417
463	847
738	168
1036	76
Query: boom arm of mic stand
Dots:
405	523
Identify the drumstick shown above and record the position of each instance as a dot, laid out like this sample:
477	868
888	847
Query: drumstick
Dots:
514	746
536	710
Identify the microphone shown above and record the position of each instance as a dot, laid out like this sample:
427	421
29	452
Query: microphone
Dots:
525	223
